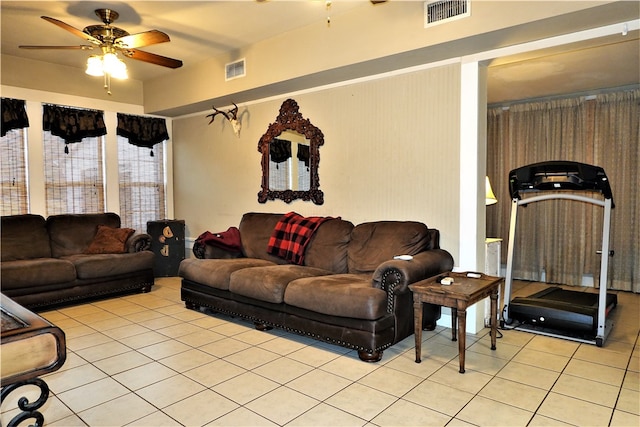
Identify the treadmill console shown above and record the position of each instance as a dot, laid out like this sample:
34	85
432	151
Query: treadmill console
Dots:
559	175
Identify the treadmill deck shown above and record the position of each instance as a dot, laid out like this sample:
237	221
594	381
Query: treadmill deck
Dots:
559	309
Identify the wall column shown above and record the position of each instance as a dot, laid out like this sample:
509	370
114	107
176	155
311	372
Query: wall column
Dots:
472	172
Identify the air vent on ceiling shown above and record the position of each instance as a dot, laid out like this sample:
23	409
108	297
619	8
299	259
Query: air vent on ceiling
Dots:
439	11
234	70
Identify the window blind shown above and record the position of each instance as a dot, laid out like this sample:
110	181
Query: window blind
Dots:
74	182
13	172
142	184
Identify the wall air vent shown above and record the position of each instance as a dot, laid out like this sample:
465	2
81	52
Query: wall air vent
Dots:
234	70
439	11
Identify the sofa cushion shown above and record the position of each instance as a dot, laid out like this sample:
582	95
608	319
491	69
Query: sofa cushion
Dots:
344	295
216	272
105	265
109	240
35	272
269	283
72	233
24	237
375	242
255	232
328	246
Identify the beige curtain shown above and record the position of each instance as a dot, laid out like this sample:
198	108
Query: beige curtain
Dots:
559	238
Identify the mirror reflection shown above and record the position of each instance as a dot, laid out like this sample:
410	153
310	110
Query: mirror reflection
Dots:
290	158
289	162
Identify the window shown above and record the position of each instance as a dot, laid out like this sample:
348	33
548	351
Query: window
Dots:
74	182
13	173
142	184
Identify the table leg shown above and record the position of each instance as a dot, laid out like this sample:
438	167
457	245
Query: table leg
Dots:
462	332
417	328
29	409
454	323
494	318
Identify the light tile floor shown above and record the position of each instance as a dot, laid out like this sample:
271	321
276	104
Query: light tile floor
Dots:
146	360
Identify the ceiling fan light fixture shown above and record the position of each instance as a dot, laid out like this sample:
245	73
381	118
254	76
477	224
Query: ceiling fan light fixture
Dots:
94	66
111	40
109	64
114	66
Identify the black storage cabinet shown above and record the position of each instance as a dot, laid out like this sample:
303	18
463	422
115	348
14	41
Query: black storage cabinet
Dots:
167	243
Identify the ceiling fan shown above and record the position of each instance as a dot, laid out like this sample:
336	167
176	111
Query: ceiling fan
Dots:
111	41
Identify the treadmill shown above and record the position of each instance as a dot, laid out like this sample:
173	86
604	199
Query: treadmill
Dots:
555	311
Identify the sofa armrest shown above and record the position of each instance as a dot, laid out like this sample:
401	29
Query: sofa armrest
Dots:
138	243
396	275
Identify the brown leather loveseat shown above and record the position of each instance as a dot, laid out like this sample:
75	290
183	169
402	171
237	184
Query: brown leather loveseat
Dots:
349	290
72	257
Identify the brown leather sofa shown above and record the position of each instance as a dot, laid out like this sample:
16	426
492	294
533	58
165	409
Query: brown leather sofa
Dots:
72	257
350	290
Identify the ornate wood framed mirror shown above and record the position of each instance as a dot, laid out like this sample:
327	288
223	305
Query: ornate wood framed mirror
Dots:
290	157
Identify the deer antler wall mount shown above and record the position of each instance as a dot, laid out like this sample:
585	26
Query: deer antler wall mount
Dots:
231	115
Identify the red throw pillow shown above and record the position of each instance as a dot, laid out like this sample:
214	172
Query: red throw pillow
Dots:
109	240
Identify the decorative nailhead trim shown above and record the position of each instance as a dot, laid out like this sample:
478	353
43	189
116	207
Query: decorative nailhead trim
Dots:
391	286
142	287
286	328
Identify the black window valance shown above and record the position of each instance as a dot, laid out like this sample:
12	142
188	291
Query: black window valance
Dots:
14	115
72	124
303	154
279	150
142	131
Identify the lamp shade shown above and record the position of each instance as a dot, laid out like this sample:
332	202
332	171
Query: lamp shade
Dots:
109	63
490	198
94	66
114	66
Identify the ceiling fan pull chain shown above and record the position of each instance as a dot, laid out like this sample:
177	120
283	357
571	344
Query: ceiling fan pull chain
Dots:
107	83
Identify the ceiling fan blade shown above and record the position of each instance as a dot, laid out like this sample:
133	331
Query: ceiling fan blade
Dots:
146	38
72	30
82	46
152	58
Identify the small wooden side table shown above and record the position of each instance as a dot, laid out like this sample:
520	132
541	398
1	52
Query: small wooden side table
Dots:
462	293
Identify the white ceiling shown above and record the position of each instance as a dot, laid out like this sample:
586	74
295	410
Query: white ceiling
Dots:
582	67
202	29
198	29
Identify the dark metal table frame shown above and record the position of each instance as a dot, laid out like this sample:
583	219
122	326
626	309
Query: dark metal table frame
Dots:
19	324
461	294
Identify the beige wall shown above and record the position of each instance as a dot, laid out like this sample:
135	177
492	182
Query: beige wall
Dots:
364	41
391	152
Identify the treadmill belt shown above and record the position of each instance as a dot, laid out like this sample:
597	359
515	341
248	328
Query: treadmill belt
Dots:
555	293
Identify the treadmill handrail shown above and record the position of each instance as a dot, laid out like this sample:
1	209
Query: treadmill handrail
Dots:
553	196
